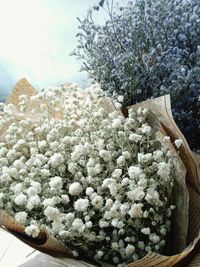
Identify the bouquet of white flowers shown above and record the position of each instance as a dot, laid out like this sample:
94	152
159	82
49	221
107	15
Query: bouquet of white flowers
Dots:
100	183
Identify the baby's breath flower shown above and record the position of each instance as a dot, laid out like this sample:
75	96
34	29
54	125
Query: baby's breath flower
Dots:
88	224
154	238
31	191
135	137
146	231
121	161
136	193
97	202
89	191
146	129
178	142
36	185
125	181
116	124
51	213
56	160
75	188
100	254
130	249
136	211
69	216
126	154
78	225
117	173
56	182
21	199
144	158
134	172
164	170
81	204
120	98
49	202
32	230
65	199
64	234
152	196
33	202
5	177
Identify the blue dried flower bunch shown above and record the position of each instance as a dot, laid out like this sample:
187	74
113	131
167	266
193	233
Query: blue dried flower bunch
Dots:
147	48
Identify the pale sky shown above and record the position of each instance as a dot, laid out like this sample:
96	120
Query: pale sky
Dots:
36	38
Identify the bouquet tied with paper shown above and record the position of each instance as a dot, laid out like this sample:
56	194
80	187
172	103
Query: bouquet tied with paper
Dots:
94	186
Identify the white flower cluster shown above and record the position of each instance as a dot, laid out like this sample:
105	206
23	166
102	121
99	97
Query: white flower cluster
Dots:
100	180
